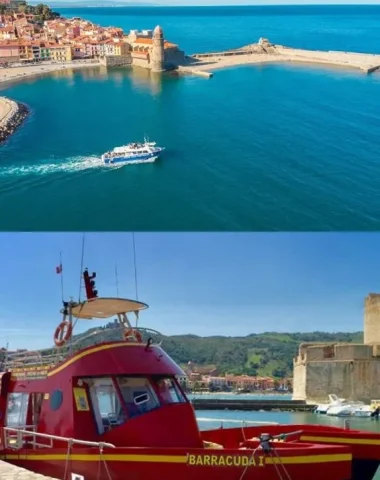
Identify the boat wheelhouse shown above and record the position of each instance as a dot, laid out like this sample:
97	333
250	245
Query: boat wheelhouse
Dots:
108	405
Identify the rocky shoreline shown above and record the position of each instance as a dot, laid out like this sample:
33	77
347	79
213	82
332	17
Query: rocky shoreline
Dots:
13	118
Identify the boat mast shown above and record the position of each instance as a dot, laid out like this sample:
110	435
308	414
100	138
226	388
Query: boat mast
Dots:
135	269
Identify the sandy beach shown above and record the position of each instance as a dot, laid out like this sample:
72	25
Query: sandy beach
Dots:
20	73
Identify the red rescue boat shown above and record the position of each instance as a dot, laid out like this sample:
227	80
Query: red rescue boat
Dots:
115	410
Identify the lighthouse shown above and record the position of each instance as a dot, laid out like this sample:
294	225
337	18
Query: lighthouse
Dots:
158	51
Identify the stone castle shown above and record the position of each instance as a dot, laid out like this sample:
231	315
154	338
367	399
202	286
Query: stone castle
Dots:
351	371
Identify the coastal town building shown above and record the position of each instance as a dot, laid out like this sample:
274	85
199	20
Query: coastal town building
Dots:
351	371
61	40
207	377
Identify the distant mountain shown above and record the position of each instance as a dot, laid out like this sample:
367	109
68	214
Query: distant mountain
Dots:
265	354
94	3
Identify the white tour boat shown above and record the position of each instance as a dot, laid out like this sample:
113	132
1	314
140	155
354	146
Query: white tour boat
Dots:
146	152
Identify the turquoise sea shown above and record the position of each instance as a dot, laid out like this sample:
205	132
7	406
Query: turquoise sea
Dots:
279	147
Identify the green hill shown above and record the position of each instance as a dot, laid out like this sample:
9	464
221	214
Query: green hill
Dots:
265	354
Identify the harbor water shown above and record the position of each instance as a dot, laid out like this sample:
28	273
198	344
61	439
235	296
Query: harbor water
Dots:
230	419
275	147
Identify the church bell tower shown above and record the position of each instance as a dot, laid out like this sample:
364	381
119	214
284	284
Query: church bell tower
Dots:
158	51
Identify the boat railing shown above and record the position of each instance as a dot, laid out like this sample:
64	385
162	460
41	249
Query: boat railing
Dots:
17	438
48	358
241	423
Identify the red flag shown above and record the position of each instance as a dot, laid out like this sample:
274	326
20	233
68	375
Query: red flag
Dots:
59	268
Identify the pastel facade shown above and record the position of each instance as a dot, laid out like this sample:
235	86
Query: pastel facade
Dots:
62	40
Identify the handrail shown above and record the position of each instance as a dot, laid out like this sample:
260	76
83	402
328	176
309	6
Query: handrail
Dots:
226	420
71	441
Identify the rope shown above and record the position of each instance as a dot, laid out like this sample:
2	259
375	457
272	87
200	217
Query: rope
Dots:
268	448
249	462
101	446
275	465
134	262
282	464
81	269
69	445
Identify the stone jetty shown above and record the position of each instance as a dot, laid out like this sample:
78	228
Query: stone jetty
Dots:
266	52
251	405
12	114
11	472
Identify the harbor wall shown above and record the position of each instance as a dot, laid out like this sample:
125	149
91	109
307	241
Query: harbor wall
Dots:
358	60
116	60
250	405
13	114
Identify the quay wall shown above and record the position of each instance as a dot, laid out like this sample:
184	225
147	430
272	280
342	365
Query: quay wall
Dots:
116	60
249	405
11	472
194	71
12	115
363	61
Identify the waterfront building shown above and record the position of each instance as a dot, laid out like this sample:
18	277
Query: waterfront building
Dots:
153	51
61	53
349	370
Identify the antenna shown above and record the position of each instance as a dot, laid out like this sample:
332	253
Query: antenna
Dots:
61	272
81	268
117	282
135	266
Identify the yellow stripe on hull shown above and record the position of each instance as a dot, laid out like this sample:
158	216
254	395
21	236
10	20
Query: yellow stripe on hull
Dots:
298	460
347	441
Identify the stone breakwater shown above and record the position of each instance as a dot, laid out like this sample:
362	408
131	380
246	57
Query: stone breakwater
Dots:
267	52
12	114
11	472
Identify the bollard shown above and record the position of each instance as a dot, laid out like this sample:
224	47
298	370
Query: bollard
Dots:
346	424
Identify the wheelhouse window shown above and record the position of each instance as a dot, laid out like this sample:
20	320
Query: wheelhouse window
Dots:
106	404
138	395
169	391
17	409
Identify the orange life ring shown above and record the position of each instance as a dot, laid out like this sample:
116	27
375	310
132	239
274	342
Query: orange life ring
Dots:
63	333
132	332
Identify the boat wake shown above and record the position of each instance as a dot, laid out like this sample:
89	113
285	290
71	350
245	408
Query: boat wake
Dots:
69	165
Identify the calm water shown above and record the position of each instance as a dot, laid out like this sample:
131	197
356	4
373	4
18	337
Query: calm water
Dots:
265	148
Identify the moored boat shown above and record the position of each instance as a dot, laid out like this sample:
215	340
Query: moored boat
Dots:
132	153
334	400
114	409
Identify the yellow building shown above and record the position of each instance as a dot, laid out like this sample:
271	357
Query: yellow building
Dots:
61	53
120	48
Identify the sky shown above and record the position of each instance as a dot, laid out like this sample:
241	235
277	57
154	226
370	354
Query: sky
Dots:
205	284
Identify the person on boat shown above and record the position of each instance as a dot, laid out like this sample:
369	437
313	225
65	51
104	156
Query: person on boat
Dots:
375	414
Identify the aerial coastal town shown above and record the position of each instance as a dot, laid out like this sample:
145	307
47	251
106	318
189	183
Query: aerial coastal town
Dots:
34	35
